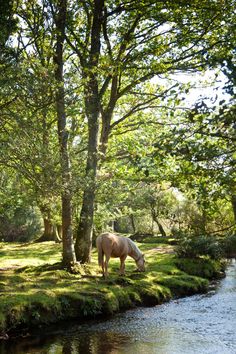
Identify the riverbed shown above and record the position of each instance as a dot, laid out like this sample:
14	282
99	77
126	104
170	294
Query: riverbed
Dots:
203	324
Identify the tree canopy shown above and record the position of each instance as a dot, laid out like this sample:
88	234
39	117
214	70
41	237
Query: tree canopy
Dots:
93	114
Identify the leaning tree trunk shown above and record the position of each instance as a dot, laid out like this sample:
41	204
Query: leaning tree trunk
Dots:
160	227
68	255
59	231
83	243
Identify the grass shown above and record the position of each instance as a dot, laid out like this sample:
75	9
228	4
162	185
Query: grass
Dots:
34	290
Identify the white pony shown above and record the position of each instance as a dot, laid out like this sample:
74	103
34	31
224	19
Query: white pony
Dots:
112	245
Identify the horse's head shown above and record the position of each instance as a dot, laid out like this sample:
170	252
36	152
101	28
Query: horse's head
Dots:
141	263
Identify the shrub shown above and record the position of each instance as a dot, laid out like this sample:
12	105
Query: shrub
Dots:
229	245
22	224
197	246
204	268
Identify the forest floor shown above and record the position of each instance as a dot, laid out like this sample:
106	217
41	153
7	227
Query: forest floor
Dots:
36	291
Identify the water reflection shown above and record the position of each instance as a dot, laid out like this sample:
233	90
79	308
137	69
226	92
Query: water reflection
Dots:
73	343
193	325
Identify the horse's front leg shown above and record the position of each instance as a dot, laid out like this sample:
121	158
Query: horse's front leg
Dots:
106	266
122	265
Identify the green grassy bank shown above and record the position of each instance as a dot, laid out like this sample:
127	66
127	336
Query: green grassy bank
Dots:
34	291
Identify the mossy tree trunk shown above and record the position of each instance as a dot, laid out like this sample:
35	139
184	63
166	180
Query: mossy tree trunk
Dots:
83	243
49	233
66	194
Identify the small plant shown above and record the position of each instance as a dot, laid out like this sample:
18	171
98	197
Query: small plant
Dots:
197	246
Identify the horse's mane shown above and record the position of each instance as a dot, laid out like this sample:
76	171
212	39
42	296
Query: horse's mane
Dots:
134	247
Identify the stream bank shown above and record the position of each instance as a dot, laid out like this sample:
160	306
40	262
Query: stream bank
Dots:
36	296
197	324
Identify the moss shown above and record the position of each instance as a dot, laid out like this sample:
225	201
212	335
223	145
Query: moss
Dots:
90	307
42	292
202	267
184	285
122	294
153	294
111	303
135	297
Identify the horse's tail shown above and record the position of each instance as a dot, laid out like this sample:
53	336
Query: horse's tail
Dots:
100	250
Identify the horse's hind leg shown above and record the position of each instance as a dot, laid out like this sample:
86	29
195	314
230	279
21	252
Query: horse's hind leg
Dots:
103	267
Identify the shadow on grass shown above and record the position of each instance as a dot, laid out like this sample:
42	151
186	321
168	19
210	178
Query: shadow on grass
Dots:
41	268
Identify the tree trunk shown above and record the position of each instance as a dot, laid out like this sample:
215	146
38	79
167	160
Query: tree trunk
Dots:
133	223
83	243
161	229
59	231
68	256
48	228
202	227
233	201
58	239
106	120
48	233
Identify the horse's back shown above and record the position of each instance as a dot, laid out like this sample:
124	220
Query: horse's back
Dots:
105	238
112	244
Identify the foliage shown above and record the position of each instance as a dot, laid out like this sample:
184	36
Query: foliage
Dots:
229	245
20	219
209	269
124	72
24	226
132	205
198	246
8	26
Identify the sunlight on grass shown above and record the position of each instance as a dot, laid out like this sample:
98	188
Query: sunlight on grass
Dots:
31	281
20	255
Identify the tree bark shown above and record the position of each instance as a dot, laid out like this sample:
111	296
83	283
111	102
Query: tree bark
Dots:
68	255
48	232
132	223
233	201
83	243
161	229
107	116
59	231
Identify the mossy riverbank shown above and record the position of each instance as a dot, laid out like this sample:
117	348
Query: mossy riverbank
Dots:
34	291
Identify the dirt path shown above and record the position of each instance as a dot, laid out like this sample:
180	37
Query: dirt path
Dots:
164	249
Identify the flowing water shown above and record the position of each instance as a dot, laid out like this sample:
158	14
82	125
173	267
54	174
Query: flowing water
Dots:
203	324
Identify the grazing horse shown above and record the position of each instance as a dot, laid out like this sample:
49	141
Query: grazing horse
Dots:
112	245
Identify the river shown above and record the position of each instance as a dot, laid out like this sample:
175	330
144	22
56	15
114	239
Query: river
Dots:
203	324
